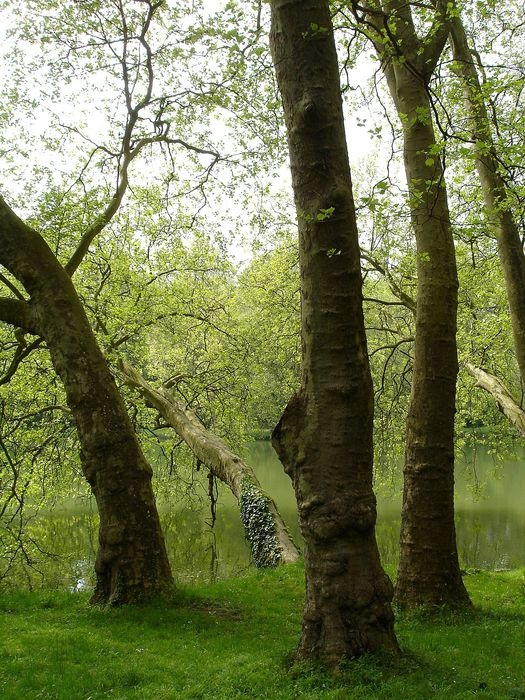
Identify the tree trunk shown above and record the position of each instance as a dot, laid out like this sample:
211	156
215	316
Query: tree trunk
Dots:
131	562
501	395
429	570
264	528
499	214
324	438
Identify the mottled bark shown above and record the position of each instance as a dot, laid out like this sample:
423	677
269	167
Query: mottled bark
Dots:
264	528
501	395
429	571
497	206
131	562
324	438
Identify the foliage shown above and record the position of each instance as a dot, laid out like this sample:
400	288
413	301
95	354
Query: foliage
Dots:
162	283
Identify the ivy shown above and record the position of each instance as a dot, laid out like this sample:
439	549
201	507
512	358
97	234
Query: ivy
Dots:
259	526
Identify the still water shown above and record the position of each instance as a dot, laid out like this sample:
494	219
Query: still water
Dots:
490	517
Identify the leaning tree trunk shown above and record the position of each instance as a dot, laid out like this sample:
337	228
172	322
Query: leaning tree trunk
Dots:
498	209
428	570
264	528
324	438
131	562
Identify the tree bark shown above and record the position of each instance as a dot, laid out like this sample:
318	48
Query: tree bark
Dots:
324	438
131	562
501	395
429	571
498	209
264	528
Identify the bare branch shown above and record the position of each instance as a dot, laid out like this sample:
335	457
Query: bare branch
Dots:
393	346
12	287
395	288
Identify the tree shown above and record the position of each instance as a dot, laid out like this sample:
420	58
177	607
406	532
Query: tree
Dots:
117	38
132	560
429	568
499	212
324	437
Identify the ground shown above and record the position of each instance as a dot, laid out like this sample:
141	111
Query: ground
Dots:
234	639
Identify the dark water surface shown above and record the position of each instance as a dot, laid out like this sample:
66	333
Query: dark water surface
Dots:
490	517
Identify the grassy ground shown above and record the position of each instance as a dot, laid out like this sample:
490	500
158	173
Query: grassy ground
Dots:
233	639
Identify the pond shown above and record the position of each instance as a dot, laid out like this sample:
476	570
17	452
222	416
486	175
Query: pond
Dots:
490	517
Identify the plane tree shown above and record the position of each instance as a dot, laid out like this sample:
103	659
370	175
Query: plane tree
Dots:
324	437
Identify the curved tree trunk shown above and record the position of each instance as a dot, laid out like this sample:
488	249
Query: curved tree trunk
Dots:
131	562
429	571
264	528
324	438
499	214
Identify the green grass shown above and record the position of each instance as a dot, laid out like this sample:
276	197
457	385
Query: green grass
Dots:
233	639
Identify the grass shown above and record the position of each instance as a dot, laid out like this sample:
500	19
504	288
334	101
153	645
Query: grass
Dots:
233	639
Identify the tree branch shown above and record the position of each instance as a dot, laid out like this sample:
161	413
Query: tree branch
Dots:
224	464
23	350
12	287
396	290
18	313
433	44
499	392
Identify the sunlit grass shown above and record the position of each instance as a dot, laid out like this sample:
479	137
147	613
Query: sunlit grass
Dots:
234	639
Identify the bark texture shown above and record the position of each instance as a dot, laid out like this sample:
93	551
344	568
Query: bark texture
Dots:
498	210
501	395
429	571
131	562
264	528
324	438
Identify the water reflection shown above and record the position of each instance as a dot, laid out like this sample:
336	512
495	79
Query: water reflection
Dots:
490	528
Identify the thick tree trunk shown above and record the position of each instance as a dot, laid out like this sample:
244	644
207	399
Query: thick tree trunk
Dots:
131	562
264	528
429	570
501	395
499	214
324	438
